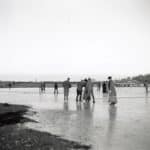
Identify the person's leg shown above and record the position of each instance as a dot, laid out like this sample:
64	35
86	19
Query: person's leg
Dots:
77	96
88	95
80	96
88	98
84	94
92	93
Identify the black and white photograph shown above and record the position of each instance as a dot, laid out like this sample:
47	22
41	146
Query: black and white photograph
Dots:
74	74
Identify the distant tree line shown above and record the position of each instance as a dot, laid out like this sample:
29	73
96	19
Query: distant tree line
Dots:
142	78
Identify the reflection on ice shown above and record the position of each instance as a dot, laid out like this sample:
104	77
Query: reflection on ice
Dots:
121	127
111	125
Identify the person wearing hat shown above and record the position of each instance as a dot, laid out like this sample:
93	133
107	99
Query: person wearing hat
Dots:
112	92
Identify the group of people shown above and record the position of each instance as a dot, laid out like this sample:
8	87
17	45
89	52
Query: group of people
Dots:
88	90
85	90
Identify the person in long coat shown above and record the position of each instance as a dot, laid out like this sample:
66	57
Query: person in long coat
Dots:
89	91
67	86
104	88
112	92
55	88
85	90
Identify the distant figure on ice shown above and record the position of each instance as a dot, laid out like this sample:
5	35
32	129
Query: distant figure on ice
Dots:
112	92
84	85
146	86
9	85
42	87
104	88
55	88
79	91
67	86
89	91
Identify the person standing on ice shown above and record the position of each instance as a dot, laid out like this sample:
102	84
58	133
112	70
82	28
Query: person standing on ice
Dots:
67	86
146	86
89	91
104	88
79	91
112	92
55	88
85	90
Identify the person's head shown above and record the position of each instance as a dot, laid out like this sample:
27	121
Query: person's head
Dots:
68	79
109	78
89	79
85	79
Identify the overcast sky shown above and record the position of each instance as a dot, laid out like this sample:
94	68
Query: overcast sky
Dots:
75	37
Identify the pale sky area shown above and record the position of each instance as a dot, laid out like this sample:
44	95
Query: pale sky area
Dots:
74	37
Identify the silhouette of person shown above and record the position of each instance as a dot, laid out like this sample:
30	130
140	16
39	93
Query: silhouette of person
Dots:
79	91
146	86
112	92
67	86
84	85
89	91
44	86
9	85
41	87
55	88
104	87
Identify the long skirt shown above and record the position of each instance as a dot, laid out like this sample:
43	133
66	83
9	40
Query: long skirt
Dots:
112	99
112	96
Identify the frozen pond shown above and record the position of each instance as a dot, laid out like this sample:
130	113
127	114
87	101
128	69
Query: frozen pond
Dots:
125	126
